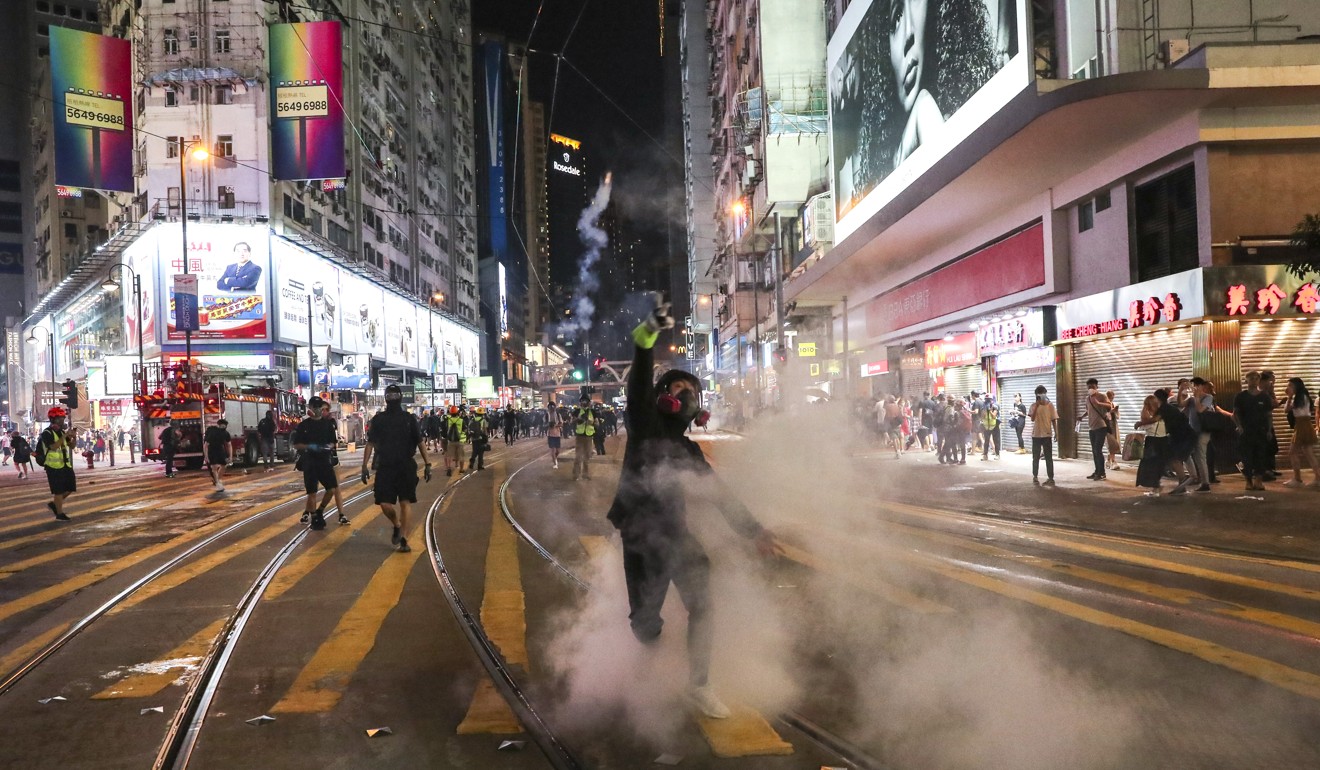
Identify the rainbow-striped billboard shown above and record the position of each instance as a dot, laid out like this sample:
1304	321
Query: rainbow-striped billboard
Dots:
306	101
91	84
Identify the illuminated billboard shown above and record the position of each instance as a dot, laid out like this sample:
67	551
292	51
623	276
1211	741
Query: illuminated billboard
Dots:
401	332
91	83
232	266
299	274
908	81
306	101
363	323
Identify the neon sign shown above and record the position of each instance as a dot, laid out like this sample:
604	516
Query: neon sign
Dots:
1141	312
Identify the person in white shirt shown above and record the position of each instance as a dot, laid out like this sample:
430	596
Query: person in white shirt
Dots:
1044	425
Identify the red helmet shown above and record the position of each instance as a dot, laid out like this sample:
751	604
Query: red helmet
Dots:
56	411
453	410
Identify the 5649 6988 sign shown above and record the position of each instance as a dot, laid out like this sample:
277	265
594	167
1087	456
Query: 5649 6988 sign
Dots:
91	83
306	101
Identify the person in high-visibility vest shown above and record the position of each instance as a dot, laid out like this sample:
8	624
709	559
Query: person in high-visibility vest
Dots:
455	437
584	422
58	461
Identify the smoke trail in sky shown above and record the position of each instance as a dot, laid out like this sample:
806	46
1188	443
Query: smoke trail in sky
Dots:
595	240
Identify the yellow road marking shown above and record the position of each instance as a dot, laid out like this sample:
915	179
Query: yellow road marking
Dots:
503	610
744	734
180	575
1174	595
167	670
9	570
10	662
322	682
887	591
290	575
488	713
1147	561
594	545
103	571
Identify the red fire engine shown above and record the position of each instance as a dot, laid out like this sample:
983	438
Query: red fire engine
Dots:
168	395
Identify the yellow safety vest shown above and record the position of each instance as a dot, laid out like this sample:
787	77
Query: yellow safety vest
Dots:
587	428
57	453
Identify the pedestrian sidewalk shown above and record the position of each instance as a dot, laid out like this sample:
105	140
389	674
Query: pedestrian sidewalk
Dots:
1281	521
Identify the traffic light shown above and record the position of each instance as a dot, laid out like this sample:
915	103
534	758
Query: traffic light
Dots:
781	356
578	375
70	395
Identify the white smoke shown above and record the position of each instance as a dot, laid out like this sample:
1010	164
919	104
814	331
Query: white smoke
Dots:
595	240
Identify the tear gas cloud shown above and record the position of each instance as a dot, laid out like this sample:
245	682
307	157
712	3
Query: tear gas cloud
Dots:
984	683
594	240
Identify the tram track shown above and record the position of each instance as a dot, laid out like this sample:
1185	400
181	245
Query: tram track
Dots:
556	750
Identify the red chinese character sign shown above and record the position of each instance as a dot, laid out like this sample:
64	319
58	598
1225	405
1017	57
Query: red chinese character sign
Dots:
1307	299
1144	312
1237	303
1271	299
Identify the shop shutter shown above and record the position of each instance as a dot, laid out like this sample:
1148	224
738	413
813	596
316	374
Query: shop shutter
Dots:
1132	366
1026	385
915	383
962	380
1289	349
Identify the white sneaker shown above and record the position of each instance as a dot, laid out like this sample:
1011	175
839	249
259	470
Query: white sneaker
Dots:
556	464
705	700
1293	483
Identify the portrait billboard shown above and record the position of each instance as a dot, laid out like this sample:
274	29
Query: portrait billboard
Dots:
401	332
91	84
908	81
140	255
306	101
232	266
298	275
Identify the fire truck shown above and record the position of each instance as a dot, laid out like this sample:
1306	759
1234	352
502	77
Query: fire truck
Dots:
194	400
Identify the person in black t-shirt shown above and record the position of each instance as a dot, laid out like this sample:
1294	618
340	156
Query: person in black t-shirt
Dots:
315	438
219	452
266	438
1251	413
393	438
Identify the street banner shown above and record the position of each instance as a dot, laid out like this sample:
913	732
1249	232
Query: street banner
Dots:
306	101
232	267
91	84
185	303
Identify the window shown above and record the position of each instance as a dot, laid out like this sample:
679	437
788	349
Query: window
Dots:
70	231
222	41
288	206
171	42
171	147
1085	216
226	197
172	198
60	10
43	6
9	175
224	95
43	30
192	38
194	94
171	98
1166	226
1102	201
224	145
75	13
11	217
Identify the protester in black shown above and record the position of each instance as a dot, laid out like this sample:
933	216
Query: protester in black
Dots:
266	438
650	508
219	452
393	438
315	438
169	446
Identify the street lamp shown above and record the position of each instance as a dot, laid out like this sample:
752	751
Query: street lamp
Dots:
199	153
437	297
32	340
111	285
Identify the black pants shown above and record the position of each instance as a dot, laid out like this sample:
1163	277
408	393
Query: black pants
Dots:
989	435
599	440
1253	446
650	563
1018	430
478	455
1042	447
168	459
508	435
1099	438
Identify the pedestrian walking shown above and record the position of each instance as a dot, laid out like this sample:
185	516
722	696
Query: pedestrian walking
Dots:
989	427
1098	409
1301	418
1017	420
266	439
169	446
317	442
22	455
1150	470
1182	440
479	433
1044	427
553	431
510	426
584	429
892	423
219	452
1251	415
55	454
393	438
455	434
649	509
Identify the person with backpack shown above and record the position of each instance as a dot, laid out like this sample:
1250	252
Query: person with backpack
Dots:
584	429
479	433
455	434
55	454
22	455
989	427
266	439
169	446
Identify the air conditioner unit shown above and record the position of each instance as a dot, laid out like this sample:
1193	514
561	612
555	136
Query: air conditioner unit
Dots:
818	220
1174	49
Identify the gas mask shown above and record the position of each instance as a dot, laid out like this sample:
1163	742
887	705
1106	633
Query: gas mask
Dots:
686	406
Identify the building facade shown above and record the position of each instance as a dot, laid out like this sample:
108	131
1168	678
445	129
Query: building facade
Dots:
1117	200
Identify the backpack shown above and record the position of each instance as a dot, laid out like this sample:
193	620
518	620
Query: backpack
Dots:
964	420
39	456
990	418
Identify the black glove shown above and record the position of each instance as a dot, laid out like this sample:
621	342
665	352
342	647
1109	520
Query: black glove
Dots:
366	473
426	473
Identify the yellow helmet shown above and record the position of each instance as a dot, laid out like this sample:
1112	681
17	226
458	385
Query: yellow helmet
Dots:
481	410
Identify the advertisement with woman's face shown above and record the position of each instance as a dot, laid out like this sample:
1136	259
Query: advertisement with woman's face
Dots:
900	79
